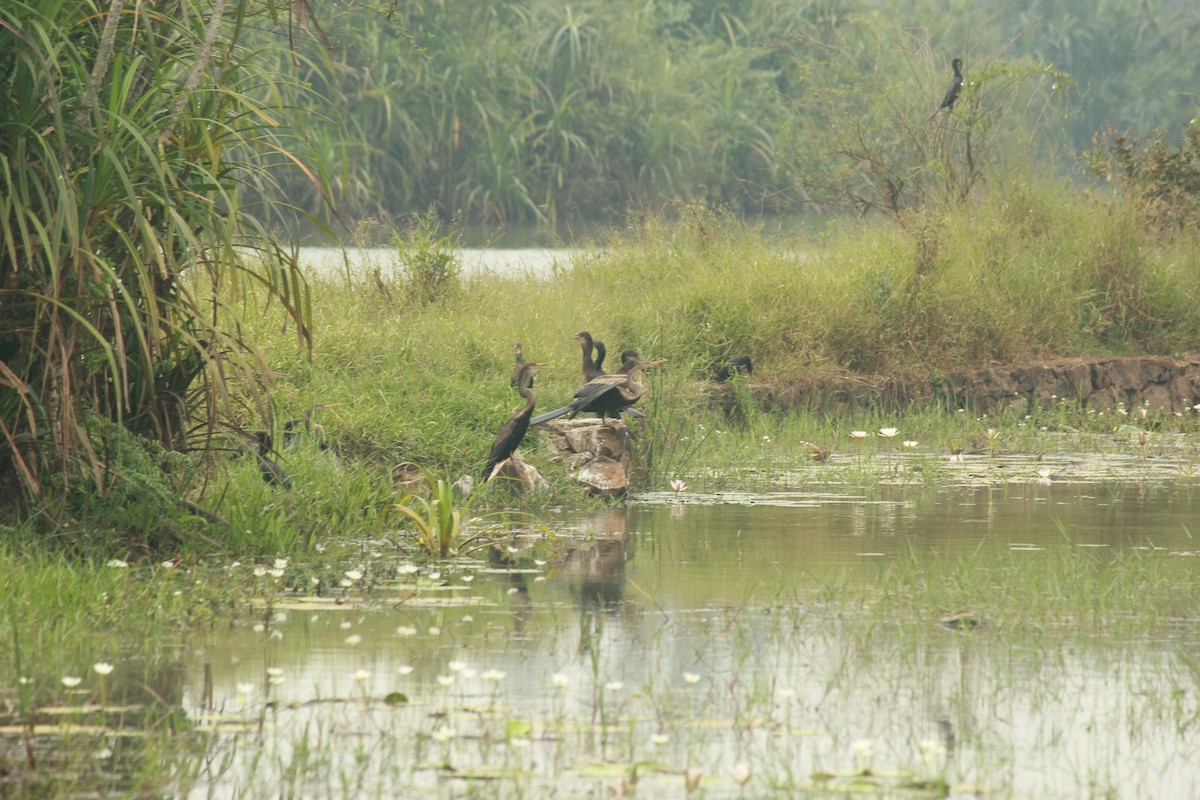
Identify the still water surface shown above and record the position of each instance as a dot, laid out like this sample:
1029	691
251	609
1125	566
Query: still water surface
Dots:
701	632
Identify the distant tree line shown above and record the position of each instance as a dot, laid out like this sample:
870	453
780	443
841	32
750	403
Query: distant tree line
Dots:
540	110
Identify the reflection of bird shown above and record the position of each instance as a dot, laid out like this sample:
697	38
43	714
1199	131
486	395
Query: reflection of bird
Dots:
606	395
953	90
293	428
272	473
510	436
734	366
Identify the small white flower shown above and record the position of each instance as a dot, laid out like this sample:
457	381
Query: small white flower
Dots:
102	667
445	680
863	748
118	563
931	751
678	486
276	573
346	625
345	583
281	563
660	738
407	569
354	574
614	686
70	681
908	444
467	618
258	627
468	673
168	565
740	772
274	672
260	572
444	734
468	578
353	639
245	688
434	630
406	630
361	676
435	576
691	677
276	634
888	433
492	675
457	666
858	434
559	680
404	669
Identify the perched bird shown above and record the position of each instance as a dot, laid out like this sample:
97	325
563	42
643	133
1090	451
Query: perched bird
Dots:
606	395
272	473
518	365
591	369
952	91
510	435
294	428
734	366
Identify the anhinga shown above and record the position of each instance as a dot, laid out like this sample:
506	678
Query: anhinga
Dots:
510	436
953	90
293	428
518	365
272	473
606	395
591	369
734	366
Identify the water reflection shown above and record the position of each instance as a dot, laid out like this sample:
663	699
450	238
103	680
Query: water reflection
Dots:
689	634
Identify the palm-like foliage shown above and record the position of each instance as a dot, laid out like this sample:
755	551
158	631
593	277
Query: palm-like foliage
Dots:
126	136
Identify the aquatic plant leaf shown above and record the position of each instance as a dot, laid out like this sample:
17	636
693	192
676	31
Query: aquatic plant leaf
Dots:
517	729
395	698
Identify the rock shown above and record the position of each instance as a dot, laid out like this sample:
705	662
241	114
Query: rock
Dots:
519	474
604	476
595	453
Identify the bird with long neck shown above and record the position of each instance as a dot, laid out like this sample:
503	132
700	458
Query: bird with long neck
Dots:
606	395
952	91
513	432
272	473
590	368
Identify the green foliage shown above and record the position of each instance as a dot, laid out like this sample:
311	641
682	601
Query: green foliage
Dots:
125	140
1164	180
439	522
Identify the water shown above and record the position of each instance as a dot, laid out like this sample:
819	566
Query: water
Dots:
707	631
533	261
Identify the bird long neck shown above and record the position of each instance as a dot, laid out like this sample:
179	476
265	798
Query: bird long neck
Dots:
589	366
527	393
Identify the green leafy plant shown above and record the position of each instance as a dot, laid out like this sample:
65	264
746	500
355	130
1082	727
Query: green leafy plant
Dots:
440	524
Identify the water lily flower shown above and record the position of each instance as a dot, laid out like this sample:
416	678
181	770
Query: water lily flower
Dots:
354	574
445	680
407	569
102	667
70	681
258	627
444	734
660	738
740	772
858	434
492	675
353	639
346	625
457	666
863	748
908	444
276	573
406	630
614	686
361	675
559	680
260	572
691	677
691	778
118	563
888	433
678	486
404	669
281	563
468	578
434	630
245	688
274	672
345	583
931	751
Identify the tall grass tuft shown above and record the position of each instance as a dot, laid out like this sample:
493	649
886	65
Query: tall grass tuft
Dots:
126	139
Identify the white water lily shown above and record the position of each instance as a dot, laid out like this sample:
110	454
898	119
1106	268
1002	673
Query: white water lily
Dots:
888	433
245	688
102	667
559	680
908	444
863	748
353	639
678	486
740	772
614	686
457	666
492	675
407	569
281	563
404	669
660	738
118	563
406	630
691	677
445	680
274	672
71	681
858	434
361	676
354	574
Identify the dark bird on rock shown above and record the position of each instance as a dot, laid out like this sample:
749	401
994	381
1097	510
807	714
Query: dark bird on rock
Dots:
952	91
513	432
605	395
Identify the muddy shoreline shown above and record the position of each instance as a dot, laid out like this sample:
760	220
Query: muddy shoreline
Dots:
1164	385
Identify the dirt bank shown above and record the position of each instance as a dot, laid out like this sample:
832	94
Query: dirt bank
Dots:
1162	383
